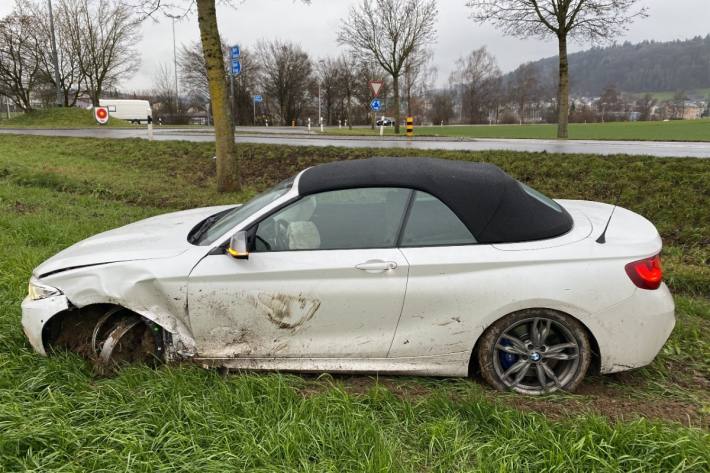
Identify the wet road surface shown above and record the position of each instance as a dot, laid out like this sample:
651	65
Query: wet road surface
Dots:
299	137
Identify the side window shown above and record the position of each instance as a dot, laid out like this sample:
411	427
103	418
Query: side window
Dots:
344	219
432	223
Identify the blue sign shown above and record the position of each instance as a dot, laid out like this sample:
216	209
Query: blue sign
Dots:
258	99
236	67
235	52
376	105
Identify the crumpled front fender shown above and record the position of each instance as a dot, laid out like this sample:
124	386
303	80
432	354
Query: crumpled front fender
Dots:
148	288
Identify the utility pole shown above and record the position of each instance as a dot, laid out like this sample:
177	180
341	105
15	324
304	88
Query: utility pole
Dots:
177	92
55	57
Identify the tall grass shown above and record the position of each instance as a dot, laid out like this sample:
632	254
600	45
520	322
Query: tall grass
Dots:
56	415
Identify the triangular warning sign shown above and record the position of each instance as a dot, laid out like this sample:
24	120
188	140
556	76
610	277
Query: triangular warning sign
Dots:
376	87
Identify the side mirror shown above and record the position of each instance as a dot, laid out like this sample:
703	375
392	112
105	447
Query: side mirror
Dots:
238	246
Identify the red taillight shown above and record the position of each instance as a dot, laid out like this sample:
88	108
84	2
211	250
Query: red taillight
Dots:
646	273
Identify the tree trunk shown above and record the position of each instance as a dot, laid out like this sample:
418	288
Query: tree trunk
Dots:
563	91
227	165
408	85
395	81
350	122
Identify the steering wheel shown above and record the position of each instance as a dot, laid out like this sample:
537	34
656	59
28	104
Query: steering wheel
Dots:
281	232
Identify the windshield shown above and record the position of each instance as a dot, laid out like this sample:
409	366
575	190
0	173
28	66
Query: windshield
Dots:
227	221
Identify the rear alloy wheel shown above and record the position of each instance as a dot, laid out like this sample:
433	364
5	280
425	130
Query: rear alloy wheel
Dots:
535	351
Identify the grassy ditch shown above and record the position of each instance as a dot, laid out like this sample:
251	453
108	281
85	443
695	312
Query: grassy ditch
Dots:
55	414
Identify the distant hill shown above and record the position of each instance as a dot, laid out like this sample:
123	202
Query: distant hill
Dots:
644	67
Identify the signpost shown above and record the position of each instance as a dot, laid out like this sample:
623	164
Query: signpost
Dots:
234	54
257	99
375	87
101	115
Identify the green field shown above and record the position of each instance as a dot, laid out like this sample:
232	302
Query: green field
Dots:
56	414
59	118
689	130
669	95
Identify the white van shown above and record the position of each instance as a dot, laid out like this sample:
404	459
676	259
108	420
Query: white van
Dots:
135	111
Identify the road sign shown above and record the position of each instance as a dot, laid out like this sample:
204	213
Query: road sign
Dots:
258	98
376	87
236	67
235	52
101	115
376	105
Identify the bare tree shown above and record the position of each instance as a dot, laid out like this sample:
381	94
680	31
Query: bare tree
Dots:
389	31
163	92
328	72
105	32
646	106
227	165
593	20
286	77
677	105
193	72
71	77
524	88
442	107
347	83
416	74
195	83
478	79
20	70
246	86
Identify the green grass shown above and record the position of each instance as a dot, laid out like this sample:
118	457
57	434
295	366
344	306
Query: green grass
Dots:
687	130
60	118
56	415
669	95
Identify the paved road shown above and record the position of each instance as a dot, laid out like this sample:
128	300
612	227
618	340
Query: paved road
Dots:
279	136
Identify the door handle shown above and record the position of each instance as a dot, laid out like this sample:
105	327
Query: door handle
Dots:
377	266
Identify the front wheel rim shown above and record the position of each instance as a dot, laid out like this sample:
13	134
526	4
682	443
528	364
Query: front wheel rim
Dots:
536	355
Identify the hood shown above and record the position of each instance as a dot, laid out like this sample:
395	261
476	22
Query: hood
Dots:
163	236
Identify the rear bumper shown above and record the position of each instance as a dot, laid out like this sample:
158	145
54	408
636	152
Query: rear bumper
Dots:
35	315
630	334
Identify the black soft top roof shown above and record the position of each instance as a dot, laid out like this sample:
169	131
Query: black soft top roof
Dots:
493	205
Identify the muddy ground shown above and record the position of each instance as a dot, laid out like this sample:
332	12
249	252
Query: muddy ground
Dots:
620	397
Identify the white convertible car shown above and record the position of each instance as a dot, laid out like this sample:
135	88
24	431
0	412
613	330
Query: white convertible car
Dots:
389	265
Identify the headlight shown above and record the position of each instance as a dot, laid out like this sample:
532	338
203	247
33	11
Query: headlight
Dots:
38	291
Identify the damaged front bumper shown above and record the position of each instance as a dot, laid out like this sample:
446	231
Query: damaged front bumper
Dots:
36	314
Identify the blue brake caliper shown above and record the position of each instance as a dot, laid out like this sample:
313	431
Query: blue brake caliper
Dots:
507	359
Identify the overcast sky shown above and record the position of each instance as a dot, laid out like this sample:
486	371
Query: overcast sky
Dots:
315	27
